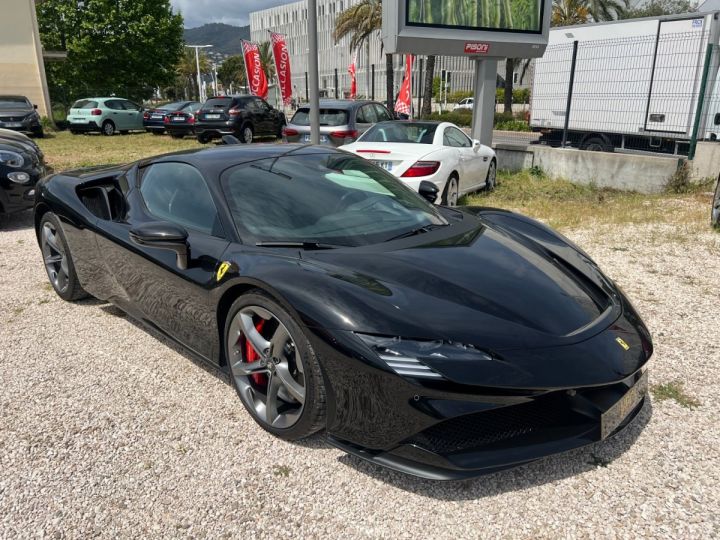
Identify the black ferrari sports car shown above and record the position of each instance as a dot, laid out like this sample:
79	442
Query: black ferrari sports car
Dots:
440	342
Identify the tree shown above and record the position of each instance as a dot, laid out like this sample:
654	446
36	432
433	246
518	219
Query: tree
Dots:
656	8
186	70
569	12
359	22
232	71
127	47
267	61
606	10
428	88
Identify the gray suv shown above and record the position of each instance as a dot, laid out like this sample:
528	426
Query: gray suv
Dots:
341	121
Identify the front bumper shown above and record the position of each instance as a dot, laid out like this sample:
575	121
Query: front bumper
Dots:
25	126
18	197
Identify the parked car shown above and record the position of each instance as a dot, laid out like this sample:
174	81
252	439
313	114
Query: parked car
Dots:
17	113
21	138
182	122
467	103
341	121
154	119
245	117
105	115
438	152
20	169
440	342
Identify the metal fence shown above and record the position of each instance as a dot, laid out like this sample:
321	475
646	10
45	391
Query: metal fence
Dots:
654	93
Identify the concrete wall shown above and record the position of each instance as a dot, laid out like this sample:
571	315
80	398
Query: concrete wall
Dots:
645	174
707	161
22	71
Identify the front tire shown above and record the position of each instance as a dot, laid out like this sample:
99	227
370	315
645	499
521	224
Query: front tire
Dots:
274	368
450	193
58	260
491	178
203	138
108	128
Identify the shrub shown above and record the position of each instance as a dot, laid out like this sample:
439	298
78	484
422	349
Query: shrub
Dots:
454	97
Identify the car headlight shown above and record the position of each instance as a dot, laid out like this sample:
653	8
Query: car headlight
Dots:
11	159
19	177
413	358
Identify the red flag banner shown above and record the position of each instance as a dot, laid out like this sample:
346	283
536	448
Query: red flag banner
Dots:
352	69
282	66
404	100
257	81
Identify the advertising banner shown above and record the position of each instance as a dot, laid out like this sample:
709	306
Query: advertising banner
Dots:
403	105
507	15
257	81
282	66
352	69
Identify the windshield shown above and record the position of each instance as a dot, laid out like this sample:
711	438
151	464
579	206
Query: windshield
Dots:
217	103
84	104
328	117
401	132
9	102
333	198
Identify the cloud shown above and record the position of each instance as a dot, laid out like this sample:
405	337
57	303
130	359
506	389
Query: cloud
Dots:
236	12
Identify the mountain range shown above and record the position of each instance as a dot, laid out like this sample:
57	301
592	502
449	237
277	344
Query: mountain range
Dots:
225	38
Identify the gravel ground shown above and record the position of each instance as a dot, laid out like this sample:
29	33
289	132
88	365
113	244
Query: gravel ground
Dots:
107	430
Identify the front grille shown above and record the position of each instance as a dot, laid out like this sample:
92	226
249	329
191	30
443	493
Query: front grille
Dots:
495	427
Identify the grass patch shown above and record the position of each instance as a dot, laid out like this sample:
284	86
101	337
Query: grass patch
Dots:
565	205
674	390
64	151
281	470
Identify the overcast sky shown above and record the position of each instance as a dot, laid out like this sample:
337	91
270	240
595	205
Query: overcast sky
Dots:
199	12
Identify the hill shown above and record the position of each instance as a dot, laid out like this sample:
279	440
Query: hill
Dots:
225	38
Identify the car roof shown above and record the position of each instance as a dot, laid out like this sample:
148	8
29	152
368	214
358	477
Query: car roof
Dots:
13	96
341	103
216	159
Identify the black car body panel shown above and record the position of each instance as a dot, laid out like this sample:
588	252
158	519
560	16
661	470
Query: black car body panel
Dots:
16	196
154	119
558	342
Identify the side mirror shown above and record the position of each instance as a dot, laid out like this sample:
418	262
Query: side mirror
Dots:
476	145
163	235
428	191
34	106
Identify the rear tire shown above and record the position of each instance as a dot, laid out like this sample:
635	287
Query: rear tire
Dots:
203	138
491	179
297	405
596	144
58	259
450	193
246	134
108	128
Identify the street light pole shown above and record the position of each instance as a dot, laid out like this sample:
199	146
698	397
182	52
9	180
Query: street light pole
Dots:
313	72
197	65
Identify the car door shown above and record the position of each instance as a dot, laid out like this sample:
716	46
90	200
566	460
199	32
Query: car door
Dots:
381	113
462	146
174	300
133	114
117	114
365	118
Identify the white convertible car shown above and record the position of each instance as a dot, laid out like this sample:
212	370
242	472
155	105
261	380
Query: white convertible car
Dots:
435	151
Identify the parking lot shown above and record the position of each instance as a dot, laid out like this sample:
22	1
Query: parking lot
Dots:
109	430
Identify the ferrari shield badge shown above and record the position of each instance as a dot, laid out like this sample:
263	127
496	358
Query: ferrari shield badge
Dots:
222	270
620	341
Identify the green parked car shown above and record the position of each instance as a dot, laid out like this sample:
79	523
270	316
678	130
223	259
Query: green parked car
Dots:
106	115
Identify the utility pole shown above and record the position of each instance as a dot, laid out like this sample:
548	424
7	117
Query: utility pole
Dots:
197	65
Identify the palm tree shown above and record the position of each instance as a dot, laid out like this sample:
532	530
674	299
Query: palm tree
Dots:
187	69
267	61
606	10
359	22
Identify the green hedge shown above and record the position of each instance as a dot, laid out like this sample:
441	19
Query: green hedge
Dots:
463	118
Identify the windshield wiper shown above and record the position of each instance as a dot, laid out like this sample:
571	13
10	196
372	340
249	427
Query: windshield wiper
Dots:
414	232
300	245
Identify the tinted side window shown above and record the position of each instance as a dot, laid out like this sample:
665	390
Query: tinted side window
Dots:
382	113
130	106
114	104
177	192
366	115
455	137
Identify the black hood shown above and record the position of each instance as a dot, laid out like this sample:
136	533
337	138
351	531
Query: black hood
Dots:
15	113
468	281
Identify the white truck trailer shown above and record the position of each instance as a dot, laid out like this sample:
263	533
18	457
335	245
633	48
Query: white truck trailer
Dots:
639	84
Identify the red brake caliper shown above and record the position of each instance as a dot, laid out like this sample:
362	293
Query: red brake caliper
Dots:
252	356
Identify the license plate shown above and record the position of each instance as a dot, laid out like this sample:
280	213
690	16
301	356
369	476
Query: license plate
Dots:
156	116
387	165
11	124
177	118
212	116
323	139
616	415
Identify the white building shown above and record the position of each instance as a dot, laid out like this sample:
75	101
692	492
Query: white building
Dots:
291	20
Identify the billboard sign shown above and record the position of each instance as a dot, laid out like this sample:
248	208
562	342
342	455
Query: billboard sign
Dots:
487	28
